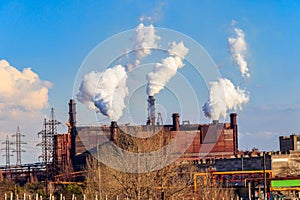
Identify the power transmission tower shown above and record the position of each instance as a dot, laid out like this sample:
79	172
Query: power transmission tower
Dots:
18	144
7	151
44	143
48	132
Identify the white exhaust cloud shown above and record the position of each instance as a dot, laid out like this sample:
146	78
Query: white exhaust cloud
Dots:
22	90
238	50
224	96
145	40
105	90
164	71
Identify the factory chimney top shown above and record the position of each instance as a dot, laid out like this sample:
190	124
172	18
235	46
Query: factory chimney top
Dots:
72	113
151	110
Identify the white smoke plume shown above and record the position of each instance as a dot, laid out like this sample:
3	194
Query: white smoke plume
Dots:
105	90
145	40
164	71
21	90
224	96
238	50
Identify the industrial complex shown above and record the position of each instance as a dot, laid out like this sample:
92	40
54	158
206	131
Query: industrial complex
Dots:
213	148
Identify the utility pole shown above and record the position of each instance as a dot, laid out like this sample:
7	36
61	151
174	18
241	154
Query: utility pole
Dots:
18	144
7	152
265	178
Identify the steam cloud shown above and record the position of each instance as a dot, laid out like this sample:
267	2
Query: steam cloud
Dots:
105	90
21	91
238	50
146	39
224	96
164	71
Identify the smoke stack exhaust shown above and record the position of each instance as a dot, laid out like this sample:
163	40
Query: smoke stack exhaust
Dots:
72	113
233	120
151	110
113	130
176	122
233	126
73	131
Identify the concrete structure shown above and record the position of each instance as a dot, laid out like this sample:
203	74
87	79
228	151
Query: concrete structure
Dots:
282	164
288	143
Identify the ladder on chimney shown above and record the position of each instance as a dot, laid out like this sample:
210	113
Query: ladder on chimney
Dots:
159	119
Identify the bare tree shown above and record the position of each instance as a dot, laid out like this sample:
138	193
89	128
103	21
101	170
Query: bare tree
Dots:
149	176
146	173
209	189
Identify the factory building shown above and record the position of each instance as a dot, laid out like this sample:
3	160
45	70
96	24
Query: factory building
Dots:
191	141
213	146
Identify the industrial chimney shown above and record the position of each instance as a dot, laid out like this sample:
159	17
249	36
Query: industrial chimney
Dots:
176	122
72	122
151	111
233	126
72	113
113	130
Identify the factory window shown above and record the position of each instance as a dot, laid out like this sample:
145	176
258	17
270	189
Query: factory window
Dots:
298	143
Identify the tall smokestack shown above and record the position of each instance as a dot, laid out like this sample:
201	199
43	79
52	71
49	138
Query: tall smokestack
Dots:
113	130
151	110
72	122
72	113
233	126
176	122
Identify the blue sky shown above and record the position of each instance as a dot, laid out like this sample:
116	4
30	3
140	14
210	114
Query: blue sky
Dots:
53	38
